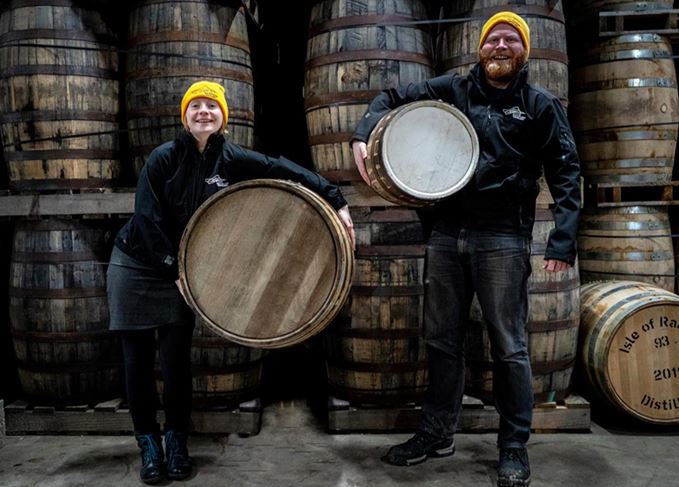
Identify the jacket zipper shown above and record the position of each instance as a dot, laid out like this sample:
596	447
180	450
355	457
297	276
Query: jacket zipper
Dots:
197	181
488	122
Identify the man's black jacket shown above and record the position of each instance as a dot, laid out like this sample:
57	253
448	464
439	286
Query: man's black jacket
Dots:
521	130
177	179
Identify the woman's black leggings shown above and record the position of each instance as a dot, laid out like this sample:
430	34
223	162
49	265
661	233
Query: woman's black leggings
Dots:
139	350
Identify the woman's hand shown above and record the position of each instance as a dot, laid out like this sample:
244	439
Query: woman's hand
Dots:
553	265
346	219
360	154
178	282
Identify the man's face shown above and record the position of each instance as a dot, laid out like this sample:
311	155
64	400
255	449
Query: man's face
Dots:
502	53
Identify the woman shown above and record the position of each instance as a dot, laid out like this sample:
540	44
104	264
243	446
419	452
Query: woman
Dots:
145	299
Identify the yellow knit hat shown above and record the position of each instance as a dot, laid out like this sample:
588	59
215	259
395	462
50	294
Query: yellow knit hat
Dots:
507	18
206	89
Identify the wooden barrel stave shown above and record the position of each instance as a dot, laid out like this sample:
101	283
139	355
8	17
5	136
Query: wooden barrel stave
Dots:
59	312
347	66
60	80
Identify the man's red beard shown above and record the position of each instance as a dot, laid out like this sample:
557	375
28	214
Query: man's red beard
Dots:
502	70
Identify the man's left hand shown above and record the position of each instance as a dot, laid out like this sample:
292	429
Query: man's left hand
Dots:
553	265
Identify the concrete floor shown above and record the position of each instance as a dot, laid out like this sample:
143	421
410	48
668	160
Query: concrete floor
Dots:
293	450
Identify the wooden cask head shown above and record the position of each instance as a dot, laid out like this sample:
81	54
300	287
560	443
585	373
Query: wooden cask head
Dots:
266	263
630	333
422	152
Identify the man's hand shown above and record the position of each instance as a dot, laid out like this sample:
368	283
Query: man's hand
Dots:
360	153
553	265
346	219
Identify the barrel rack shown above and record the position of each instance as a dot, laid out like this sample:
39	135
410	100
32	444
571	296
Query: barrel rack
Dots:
570	415
608	195
111	417
117	201
623	22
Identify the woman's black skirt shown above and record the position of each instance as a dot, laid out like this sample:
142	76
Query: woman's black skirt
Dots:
139	299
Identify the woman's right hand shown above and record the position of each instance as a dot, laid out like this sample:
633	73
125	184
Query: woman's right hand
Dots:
360	154
178	282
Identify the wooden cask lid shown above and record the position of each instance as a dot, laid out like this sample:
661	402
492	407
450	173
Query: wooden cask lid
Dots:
630	341
266	263
422	152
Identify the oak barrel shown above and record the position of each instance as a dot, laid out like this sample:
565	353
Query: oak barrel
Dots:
375	349
421	152
624	109
172	44
59	313
630	334
224	374
626	243
59	98
552	327
355	50
266	263
548	62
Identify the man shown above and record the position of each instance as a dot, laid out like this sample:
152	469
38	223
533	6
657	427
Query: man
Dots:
480	241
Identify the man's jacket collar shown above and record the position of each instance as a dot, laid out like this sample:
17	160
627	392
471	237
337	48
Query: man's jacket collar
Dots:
478	77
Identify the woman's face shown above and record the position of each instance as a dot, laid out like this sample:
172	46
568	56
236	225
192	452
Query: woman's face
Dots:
204	117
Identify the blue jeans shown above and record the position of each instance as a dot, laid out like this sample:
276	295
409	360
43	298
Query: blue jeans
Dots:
495	266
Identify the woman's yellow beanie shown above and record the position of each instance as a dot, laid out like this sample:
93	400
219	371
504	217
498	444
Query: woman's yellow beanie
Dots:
512	19
206	89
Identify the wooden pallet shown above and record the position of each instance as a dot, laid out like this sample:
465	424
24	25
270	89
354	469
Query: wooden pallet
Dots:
606	195
111	418
616	23
571	414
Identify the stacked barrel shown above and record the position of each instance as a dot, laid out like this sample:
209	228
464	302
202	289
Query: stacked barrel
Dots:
375	351
625	120
59	87
58	96
624	112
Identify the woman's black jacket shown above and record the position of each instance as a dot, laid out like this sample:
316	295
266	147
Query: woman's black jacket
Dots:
521	130
177	179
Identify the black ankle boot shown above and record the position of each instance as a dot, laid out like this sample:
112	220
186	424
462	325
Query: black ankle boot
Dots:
151	471
513	469
178	462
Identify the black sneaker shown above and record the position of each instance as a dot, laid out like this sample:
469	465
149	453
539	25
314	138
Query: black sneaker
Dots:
417	449
513	469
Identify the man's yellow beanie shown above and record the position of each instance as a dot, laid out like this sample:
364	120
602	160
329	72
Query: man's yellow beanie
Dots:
512	19
206	89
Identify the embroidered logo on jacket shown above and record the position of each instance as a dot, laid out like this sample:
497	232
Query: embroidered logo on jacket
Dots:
219	181
515	112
